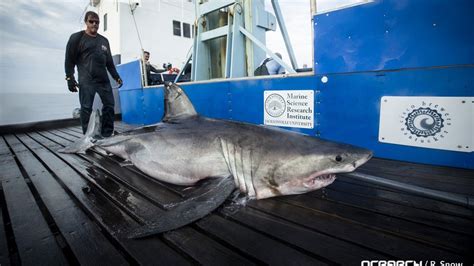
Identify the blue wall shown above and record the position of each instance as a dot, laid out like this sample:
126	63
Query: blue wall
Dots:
385	48
395	34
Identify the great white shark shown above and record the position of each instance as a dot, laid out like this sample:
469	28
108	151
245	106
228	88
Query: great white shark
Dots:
185	148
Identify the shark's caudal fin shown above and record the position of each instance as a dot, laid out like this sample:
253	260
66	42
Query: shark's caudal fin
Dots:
85	142
177	104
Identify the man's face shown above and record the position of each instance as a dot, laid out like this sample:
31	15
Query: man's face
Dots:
92	24
147	57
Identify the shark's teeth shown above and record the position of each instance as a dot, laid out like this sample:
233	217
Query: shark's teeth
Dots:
319	178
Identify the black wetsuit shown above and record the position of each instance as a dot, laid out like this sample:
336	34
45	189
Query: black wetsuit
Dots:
93	58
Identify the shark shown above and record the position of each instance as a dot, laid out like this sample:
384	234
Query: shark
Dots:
259	161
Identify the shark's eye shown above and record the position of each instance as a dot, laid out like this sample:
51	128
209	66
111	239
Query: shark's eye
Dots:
338	158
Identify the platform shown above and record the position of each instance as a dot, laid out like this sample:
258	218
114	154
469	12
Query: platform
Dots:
74	209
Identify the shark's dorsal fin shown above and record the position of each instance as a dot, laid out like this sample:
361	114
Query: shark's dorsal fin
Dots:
177	104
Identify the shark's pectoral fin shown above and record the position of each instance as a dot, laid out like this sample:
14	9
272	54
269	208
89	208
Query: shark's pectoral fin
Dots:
188	211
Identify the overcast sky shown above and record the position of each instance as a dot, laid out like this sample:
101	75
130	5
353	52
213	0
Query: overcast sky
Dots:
33	36
34	33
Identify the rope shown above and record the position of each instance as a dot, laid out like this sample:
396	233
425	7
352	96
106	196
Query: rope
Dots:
136	27
143	67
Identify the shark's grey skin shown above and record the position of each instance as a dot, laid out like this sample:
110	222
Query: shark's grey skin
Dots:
264	162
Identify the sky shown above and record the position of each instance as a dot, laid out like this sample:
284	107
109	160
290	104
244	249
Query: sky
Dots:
34	33
33	37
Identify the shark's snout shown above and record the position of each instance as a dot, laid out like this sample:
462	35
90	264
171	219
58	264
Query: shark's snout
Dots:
364	158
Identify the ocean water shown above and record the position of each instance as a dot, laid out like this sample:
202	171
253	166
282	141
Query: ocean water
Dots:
18	108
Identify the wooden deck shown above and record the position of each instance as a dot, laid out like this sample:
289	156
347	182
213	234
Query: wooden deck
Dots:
75	209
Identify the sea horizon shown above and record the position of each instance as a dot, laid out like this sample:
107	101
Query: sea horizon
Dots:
19	108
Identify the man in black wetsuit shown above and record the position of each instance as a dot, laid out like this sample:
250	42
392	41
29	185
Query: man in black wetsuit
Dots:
90	52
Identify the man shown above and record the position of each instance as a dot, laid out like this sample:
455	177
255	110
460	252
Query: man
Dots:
269	67
90	52
150	68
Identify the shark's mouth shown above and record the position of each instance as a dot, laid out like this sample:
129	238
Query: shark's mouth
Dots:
319	180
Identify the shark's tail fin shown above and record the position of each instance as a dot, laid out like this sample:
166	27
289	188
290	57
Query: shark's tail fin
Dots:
87	141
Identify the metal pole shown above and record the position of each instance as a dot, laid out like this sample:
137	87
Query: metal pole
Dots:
183	67
457	199
284	33
263	47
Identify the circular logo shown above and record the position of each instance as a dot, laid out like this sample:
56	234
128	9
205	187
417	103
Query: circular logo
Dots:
424	122
275	105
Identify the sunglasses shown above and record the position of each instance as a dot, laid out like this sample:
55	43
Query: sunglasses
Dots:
93	22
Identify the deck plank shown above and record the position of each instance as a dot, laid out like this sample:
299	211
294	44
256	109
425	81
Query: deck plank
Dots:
203	249
34	239
425	171
440	178
259	246
4	254
356	233
328	247
426	217
360	188
85	239
111	219
436	237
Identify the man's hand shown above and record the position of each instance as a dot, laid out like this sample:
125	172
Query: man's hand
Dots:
120	82
72	84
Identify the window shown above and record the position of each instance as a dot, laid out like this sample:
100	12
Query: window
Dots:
186	30
105	22
176	28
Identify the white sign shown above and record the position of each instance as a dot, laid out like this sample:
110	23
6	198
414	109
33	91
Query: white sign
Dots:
445	123
289	108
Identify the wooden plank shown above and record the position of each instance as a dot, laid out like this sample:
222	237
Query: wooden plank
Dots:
4	256
442	239
114	222
70	132
32	234
356	233
261	247
78	130
453	180
345	184
203	249
330	248
4	151
428	171
82	235
428	218
417	180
